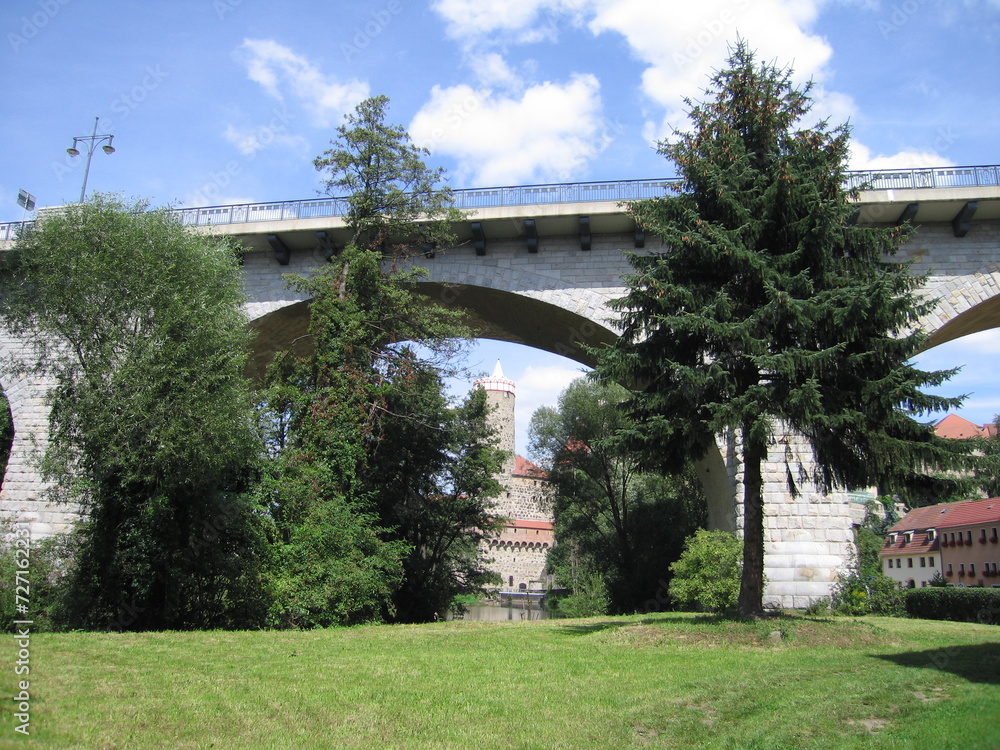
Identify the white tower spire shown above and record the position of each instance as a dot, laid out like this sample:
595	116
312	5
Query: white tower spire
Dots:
500	397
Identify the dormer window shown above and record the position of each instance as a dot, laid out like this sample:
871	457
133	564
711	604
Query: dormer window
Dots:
892	539
931	534
907	538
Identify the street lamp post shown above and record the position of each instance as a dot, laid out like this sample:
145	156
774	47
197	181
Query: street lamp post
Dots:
91	141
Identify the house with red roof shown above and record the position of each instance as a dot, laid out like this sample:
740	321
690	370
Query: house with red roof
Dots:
956	427
970	546
957	540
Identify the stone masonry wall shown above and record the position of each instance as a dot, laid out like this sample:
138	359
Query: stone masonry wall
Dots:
24	497
808	535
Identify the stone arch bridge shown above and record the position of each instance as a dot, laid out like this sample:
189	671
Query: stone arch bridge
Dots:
538	265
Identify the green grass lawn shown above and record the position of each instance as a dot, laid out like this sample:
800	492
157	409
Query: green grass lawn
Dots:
666	680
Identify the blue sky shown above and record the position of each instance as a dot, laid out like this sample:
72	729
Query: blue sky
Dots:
222	101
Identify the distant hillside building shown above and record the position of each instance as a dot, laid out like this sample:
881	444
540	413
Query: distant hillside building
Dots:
519	552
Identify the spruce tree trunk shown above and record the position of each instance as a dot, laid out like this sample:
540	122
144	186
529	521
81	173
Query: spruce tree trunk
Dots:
751	600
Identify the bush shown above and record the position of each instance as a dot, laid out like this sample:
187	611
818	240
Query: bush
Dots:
589	599
707	575
952	603
819	608
45	559
938	580
856	594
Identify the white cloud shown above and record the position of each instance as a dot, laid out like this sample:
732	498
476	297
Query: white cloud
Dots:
521	20
681	41
282	72
678	41
863	158
492	70
545	132
249	141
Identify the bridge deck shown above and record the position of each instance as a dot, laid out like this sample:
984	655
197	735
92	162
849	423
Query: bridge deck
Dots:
935	195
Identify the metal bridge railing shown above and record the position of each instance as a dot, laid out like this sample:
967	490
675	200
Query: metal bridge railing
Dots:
913	179
572	192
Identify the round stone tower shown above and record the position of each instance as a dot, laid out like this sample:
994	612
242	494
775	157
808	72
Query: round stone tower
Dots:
500	397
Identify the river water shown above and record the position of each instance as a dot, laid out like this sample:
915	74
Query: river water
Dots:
497	613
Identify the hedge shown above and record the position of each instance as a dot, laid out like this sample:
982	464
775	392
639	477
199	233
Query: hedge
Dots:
951	603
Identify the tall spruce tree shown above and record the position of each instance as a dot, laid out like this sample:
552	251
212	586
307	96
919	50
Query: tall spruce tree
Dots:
768	305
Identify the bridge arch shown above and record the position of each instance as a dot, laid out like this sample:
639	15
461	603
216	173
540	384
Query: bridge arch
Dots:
493	314
22	490
967	305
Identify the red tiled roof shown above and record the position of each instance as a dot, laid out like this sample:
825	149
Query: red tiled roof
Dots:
525	468
954	426
950	515
973	512
918	544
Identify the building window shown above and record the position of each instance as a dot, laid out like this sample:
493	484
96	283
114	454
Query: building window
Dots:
930	561
909	562
982	536
972	569
950	571
968	537
923	563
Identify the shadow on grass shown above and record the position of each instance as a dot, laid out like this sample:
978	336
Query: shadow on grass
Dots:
975	663
571	627
586	628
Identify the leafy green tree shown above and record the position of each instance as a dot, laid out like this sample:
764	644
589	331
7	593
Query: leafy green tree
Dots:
587	597
361	423
137	320
987	474
434	470
769	305
707	574
627	525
